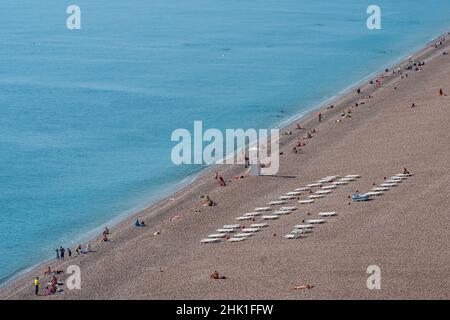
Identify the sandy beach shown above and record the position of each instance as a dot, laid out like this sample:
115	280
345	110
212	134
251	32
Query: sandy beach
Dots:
404	231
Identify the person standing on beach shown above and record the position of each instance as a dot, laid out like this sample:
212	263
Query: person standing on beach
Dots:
320	117
69	252
36	286
57	254
62	252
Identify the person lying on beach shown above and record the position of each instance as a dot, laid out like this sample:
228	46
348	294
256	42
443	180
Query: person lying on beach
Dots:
215	276
222	181
105	238
308	286
137	223
207	202
48	271
405	171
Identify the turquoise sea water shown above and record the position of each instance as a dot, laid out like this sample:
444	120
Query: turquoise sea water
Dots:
86	116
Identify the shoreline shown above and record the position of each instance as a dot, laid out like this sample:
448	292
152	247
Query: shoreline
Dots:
156	210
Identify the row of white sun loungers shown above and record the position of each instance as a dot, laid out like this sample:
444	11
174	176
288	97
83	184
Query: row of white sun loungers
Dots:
326	189
258	212
233	229
302	230
393	181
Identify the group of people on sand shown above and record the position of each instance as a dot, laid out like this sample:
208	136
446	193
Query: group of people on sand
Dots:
53	286
139	223
61	253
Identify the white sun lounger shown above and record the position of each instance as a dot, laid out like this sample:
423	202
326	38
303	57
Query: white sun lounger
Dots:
293	193
303	189
243	235
217	235
353	176
210	240
236	239
328	179
306	201
381	189
331	186
262	209
398	178
403	175
347	179
301	231
281	212
327	214
389	184
286	197
224	230
277	202
315	221
339	183
231	226
250	230
259	225
392	182
294	236
292	208
374	193
252	214
244	218
323	191
270	217
316	196
303	226
312	185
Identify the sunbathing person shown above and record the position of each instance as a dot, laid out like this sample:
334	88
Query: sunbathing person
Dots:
215	276
308	286
48	271
207	202
221	181
105	238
